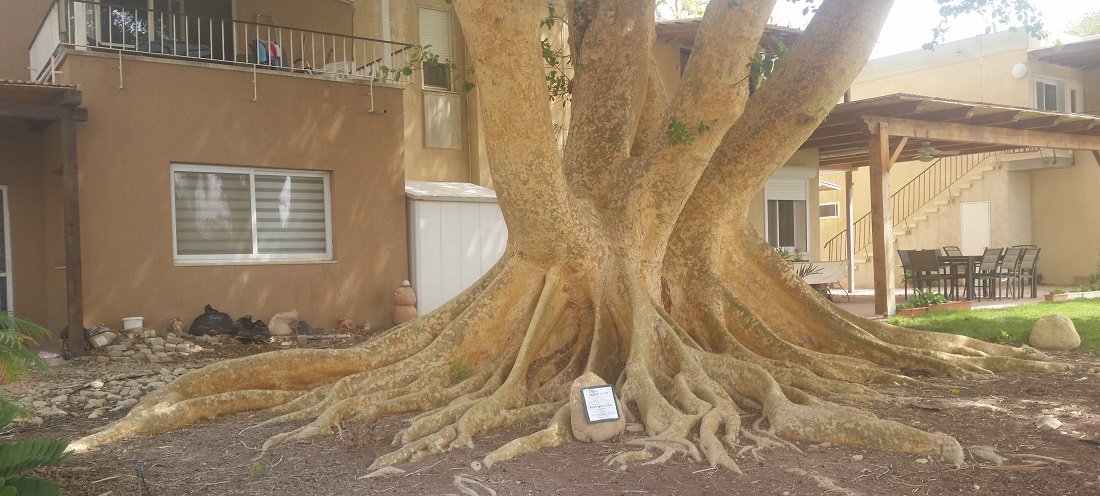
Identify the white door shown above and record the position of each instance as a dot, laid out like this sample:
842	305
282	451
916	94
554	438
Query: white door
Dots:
975	227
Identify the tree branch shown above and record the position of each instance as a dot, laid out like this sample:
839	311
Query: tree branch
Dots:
539	210
609	91
822	64
711	96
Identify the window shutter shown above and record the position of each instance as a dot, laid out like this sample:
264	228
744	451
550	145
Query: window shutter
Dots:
786	189
290	214
435	30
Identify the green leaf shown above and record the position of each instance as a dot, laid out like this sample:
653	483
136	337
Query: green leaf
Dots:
30	454
28	486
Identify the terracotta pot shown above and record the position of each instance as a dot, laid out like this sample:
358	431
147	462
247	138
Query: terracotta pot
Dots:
403	313
950	306
912	312
404	296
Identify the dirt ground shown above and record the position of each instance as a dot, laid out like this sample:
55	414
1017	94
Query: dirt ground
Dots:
216	458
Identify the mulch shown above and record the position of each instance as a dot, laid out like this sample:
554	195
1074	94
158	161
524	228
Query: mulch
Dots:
217	458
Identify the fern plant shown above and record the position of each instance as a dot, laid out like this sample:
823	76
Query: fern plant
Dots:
16	459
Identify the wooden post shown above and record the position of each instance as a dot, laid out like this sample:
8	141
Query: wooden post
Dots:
73	271
882	220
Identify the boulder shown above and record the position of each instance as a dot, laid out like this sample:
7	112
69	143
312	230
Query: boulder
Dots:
583	430
1055	332
283	324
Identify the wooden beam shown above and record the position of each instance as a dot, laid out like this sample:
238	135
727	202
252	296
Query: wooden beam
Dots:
994	118
74	286
897	151
42	112
980	134
882	221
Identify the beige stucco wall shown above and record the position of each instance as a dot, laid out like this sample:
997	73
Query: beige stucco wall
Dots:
423	163
977	69
133	136
21	171
1066	212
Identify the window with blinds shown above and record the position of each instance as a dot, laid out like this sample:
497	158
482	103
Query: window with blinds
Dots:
232	213
435	33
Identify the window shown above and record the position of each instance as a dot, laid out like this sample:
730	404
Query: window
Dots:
238	213
786	217
435	34
829	210
1050	94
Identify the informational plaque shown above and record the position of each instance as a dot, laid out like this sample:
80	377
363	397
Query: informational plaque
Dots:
600	404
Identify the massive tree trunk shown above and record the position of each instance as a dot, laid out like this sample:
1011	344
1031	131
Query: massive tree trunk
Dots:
630	255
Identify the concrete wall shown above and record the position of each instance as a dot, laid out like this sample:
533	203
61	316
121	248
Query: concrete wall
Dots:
136	133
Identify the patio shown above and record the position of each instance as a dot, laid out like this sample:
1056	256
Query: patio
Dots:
863	301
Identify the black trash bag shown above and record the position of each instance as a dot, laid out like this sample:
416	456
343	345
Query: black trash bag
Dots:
211	322
247	329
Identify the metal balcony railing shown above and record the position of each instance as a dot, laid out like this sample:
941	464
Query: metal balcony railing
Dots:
94	26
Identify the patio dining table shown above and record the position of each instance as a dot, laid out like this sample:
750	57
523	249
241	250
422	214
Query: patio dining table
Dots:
969	264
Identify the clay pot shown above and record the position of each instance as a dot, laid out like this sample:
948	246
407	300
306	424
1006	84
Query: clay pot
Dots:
404	296
403	313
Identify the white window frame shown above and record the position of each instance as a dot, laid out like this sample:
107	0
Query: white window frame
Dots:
443	57
783	187
836	208
1061	85
255	256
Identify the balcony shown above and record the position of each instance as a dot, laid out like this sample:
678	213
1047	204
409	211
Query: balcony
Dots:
135	27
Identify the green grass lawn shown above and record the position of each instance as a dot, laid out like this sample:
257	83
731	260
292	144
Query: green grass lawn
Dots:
1011	325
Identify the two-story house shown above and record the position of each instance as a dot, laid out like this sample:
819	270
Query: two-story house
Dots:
160	155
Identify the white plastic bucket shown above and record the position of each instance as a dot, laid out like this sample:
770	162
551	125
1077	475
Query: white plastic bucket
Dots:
129	323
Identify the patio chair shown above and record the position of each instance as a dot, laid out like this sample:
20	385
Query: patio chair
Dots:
1010	270
952	251
906	271
926	269
1028	264
988	274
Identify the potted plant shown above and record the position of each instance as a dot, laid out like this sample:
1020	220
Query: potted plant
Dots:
1056	295
926	300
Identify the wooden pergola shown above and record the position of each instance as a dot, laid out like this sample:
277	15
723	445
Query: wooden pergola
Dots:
40	105
879	132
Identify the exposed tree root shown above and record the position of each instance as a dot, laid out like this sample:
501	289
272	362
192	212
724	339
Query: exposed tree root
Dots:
688	373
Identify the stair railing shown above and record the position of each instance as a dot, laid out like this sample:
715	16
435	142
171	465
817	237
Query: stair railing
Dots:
906	201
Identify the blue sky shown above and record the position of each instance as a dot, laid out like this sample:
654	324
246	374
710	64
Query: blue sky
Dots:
911	22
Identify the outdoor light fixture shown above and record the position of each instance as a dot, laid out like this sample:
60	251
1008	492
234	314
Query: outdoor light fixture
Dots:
1019	70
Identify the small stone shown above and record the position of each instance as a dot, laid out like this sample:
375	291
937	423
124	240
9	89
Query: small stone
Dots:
179	371
113	397
59	399
97	413
40	404
99	394
922	461
475	466
102	359
1095	370
174	340
158	348
1047	423
136	393
154	341
94	403
857	457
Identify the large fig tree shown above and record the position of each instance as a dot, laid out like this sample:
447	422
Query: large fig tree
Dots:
630	255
